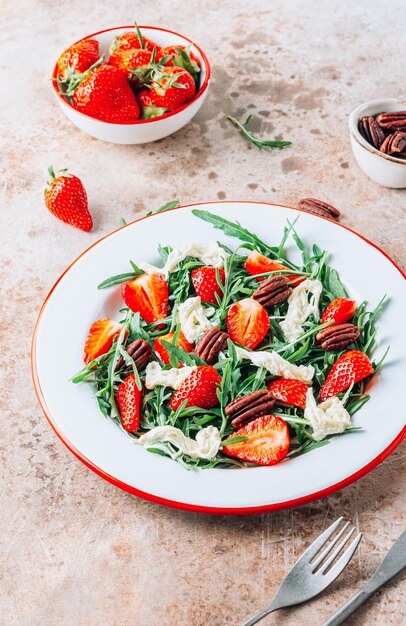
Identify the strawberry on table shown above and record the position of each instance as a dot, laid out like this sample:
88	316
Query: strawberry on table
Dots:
129	402
257	263
66	198
340	310
204	281
78	57
350	367
103	92
163	352
147	295
172	87
268	441
100	338
289	391
199	389
247	322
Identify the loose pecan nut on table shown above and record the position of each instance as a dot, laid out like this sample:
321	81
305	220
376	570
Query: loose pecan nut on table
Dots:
140	351
395	144
211	343
371	131
272	291
338	336
318	207
250	406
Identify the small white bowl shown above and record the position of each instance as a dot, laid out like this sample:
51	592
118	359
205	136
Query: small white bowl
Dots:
140	131
382	168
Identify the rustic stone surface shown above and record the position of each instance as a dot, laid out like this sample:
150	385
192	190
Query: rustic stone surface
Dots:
75	550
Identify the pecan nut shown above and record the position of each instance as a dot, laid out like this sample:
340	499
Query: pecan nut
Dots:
272	291
371	131
338	336
250	406
318	207
396	120
210	344
140	351
395	144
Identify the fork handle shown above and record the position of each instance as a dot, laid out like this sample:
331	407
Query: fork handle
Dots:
274	606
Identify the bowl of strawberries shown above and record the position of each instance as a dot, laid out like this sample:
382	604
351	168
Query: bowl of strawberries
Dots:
130	84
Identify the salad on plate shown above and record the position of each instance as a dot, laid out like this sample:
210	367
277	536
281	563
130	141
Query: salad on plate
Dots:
226	358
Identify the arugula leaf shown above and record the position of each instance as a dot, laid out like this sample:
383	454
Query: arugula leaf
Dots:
259	143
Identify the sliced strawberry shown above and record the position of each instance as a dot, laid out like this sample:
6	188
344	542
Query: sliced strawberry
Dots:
289	391
350	367
268	442
247	322
163	352
129	403
340	310
257	263
148	296
199	389
204	281
100	338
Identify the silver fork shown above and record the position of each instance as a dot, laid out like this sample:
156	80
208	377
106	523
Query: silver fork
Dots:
314	571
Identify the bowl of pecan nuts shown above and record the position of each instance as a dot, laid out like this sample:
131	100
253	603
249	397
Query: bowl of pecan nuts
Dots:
378	140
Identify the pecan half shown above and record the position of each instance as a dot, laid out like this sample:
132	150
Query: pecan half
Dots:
250	406
392	121
371	131
210	344
395	144
140	351
338	336
273	290
318	207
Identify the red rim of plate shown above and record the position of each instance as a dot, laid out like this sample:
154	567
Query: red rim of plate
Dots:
194	507
197	95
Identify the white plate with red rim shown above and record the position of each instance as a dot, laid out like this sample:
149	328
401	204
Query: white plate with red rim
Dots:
74	415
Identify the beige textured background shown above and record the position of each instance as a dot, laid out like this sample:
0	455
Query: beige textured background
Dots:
75	550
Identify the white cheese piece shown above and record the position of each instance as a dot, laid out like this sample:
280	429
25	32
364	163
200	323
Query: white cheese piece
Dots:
300	308
155	376
205	446
192	318
277	365
328	418
209	254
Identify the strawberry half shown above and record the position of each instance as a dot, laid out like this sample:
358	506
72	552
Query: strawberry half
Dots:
340	310
129	402
268	442
204	281
350	367
247	322
78	57
289	391
199	389
147	295
257	263
163	352
66	198
100	338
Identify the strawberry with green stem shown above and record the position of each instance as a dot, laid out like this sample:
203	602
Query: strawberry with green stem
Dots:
78	58
66	198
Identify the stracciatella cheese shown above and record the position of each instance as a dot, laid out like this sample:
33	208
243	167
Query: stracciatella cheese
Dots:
328	418
210	254
155	376
205	446
277	365
192	318
301	307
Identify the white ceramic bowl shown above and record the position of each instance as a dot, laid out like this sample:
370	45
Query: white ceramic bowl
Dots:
381	168
140	131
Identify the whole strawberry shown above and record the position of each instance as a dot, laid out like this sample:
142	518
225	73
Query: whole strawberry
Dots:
103	92
172	87
65	197
78	57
